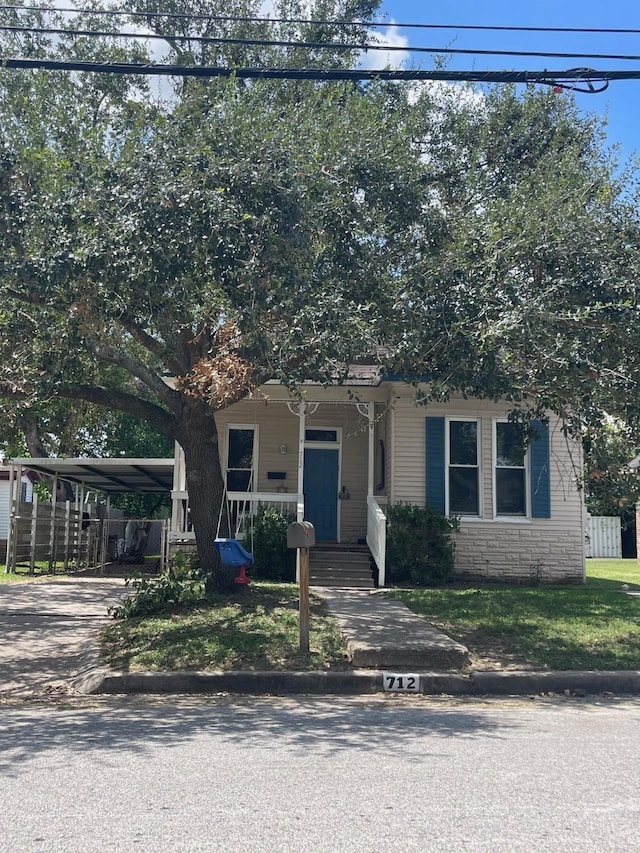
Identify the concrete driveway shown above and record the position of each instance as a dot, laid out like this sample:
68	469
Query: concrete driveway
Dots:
48	631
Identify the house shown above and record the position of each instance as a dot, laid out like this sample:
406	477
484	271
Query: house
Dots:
26	493
338	455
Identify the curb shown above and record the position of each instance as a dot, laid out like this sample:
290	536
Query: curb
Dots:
357	682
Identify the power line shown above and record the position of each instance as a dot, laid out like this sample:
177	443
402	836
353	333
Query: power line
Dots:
562	78
367	24
256	42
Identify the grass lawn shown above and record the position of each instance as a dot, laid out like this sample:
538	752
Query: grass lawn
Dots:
595	626
41	572
258	630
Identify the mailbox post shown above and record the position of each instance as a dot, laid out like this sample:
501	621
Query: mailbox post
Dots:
302	535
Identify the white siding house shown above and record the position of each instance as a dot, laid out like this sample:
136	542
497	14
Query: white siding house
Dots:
336	456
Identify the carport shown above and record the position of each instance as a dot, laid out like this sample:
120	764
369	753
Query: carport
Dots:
60	529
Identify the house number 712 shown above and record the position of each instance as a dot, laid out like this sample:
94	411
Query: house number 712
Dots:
404	682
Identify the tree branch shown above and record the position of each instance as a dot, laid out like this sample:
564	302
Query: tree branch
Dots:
155	415
151	344
134	367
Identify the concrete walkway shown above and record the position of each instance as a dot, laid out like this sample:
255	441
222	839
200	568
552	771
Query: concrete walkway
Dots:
382	633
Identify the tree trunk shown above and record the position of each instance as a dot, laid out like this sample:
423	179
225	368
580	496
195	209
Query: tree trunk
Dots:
36	448
198	437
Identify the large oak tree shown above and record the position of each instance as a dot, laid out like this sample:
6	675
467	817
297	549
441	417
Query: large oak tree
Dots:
162	257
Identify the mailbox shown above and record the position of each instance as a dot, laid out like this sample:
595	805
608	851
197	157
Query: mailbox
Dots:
301	534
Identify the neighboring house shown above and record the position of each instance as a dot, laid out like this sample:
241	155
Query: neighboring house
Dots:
26	493
338	455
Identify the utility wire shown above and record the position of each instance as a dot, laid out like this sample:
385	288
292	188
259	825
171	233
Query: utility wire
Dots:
366	24
256	42
551	78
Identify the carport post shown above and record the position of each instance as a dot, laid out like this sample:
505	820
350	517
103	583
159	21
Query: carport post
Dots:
67	534
34	533
12	514
52	528
164	540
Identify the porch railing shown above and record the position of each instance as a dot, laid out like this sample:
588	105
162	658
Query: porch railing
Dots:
377	534
244	505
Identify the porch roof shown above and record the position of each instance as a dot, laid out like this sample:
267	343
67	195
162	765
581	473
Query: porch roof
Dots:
111	476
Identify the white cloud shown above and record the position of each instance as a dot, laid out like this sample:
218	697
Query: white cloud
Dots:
374	59
441	92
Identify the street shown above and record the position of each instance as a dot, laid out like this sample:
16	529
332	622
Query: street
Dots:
368	774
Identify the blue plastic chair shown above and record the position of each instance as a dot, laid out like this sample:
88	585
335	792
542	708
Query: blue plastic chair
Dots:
233	554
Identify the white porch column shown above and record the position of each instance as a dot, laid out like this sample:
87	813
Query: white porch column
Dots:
300	410
368	411
302	426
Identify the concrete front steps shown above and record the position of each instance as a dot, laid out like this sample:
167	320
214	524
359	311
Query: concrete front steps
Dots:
345	566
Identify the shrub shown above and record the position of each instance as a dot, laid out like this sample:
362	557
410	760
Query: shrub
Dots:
179	584
273	560
420	549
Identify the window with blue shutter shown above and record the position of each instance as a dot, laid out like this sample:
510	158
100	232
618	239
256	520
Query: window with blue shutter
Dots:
510	469
540	475
435	469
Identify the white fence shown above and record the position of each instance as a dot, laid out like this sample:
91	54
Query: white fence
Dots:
604	537
244	505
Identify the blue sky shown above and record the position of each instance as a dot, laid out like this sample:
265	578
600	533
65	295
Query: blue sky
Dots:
621	101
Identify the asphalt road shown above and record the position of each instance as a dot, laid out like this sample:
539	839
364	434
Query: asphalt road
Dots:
376	774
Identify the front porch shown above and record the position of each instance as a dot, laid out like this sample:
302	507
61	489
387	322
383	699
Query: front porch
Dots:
320	460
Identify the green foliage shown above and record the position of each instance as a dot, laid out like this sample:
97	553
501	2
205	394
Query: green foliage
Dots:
179	585
420	549
610	487
273	560
143	506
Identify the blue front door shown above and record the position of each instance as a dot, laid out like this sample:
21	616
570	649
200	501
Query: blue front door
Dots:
321	492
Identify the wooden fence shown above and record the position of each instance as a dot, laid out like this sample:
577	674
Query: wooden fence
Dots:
57	537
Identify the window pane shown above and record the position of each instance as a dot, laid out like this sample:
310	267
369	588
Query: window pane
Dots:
510	491
321	435
463	443
238	481
510	445
463	491
240	448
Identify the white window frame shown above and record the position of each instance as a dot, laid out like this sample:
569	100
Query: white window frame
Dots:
494	478
478	467
253	485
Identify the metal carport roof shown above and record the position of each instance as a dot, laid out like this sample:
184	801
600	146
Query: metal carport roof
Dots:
144	476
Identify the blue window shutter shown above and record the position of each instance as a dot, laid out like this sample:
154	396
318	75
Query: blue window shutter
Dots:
540	479
435	463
